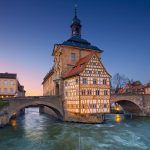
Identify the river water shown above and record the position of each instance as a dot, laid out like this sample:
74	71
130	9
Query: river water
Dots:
35	131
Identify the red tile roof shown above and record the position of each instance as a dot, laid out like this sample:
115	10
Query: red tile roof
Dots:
79	66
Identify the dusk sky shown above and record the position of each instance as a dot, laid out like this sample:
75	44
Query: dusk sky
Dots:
30	28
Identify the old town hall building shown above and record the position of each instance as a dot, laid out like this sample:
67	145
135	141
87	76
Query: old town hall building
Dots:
78	76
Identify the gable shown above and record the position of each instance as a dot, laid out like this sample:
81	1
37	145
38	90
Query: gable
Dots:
95	68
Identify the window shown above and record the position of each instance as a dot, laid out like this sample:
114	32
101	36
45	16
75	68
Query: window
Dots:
5	82
83	92
5	90
105	92
104	81
94	64
66	83
11	90
90	72
66	93
84	81
73	56
92	105
89	92
105	105
94	81
76	81
97	92
11	82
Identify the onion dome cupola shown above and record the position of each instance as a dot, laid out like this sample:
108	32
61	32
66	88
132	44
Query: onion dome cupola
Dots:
76	26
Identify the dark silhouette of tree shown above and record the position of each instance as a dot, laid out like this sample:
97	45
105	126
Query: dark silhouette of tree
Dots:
118	81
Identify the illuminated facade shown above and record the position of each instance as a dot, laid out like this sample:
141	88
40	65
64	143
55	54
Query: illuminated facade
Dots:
10	86
87	87
78	75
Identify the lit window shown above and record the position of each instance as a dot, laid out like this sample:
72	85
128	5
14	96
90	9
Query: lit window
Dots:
97	92
104	81
73	56
94	81
105	92
5	82
84	81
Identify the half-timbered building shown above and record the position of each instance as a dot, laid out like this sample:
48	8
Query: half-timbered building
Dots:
78	75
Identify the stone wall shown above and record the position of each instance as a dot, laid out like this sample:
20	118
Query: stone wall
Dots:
86	118
4	116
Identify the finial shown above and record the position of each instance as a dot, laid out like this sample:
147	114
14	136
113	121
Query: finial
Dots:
75	10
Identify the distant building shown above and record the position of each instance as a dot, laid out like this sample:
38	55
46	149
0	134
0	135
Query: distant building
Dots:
147	88
134	87
78	75
10	86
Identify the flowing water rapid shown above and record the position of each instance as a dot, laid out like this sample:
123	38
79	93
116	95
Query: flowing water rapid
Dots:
35	131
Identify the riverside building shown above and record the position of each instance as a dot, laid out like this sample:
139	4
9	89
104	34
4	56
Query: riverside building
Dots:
10	86
79	78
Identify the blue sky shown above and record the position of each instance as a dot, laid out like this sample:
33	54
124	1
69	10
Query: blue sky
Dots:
30	28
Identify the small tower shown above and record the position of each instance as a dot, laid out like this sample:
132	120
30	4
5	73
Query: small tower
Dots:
76	26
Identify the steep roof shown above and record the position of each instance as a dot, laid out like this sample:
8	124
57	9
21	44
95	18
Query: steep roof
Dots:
81	43
79	66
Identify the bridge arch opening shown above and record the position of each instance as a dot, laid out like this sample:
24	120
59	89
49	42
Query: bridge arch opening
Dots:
22	108
129	107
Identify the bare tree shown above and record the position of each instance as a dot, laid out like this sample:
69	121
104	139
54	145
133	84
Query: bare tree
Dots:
119	81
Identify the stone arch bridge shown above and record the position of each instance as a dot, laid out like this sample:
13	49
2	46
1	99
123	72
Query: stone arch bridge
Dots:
137	104
18	104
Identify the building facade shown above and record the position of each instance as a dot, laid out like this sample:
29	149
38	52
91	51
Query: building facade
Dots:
147	88
10	86
134	87
78	75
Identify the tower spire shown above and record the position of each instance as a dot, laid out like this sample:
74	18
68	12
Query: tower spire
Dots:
75	9
76	26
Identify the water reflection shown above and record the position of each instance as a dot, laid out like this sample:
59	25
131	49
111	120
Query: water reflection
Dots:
13	123
118	118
